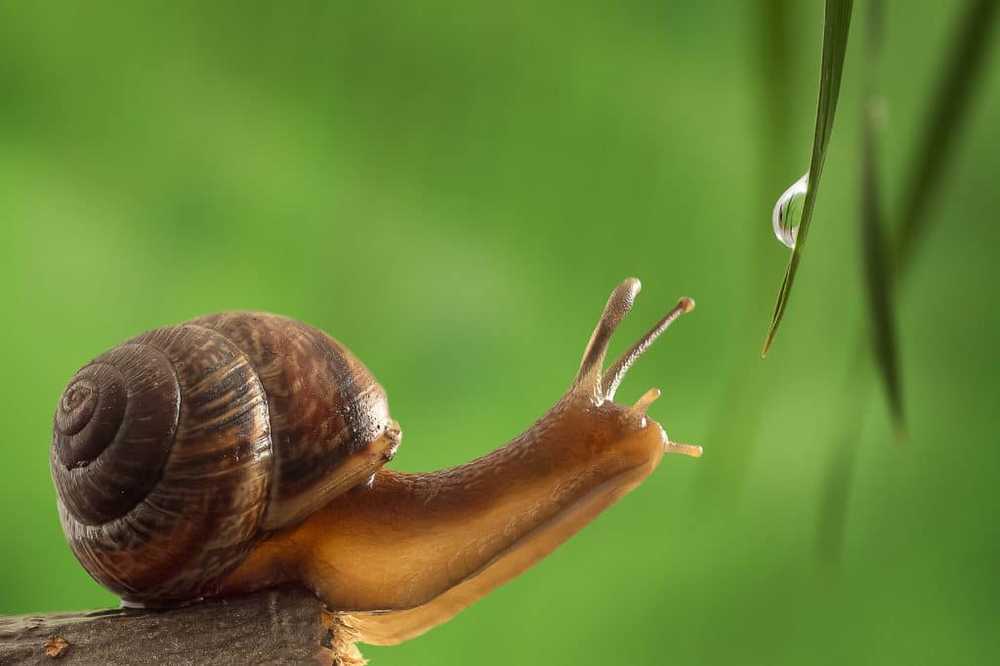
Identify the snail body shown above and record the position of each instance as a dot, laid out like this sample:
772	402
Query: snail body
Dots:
241	450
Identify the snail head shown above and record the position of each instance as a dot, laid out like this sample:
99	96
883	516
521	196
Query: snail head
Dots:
596	386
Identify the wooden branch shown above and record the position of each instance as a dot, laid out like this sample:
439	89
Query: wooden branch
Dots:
277	626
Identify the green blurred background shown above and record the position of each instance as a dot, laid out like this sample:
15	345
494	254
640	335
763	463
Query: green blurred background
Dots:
452	189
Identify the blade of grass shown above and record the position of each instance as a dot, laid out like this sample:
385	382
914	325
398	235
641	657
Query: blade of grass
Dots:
949	110
836	26
878	282
878	273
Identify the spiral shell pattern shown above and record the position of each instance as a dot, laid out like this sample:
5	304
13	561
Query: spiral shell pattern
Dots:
175	452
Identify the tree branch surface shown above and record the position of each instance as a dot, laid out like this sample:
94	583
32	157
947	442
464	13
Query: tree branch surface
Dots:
277	626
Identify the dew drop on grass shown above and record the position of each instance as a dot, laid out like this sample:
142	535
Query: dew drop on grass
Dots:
787	212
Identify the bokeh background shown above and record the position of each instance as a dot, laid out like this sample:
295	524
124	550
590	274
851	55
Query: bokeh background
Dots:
452	189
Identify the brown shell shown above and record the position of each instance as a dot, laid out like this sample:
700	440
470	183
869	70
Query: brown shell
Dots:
176	451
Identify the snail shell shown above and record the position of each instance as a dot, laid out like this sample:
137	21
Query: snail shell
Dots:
176	451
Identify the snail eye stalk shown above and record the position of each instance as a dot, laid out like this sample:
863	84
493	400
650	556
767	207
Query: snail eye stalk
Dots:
616	373
605	385
618	305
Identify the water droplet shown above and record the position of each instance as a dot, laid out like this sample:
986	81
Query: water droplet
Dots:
788	211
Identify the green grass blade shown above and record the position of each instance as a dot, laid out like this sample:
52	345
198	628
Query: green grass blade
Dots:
949	110
837	24
878	281
878	269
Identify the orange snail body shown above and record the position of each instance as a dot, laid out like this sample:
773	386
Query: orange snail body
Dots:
242	450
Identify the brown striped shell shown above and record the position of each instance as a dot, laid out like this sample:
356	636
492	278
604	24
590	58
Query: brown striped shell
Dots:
176	451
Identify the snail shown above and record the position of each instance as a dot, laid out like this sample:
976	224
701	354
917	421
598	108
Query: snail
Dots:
243	450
